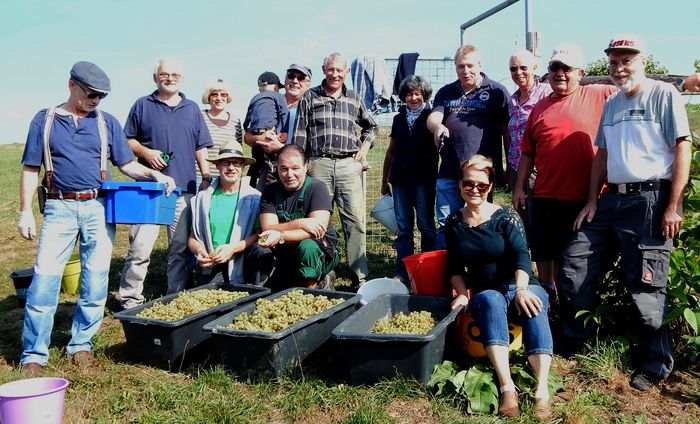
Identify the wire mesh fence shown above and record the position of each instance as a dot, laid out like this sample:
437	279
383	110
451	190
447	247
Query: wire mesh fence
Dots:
439	72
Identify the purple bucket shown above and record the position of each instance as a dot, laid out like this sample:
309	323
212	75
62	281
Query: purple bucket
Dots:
34	400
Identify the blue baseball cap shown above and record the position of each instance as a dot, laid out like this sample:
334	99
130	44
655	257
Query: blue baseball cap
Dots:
91	75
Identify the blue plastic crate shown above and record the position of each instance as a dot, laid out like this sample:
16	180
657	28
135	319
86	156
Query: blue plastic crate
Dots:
140	202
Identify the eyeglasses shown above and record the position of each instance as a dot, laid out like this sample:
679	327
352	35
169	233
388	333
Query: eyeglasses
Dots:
521	67
623	63
92	95
555	67
166	75
469	186
235	163
294	76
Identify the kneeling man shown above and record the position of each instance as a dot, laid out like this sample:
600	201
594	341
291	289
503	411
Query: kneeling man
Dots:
223	224
295	215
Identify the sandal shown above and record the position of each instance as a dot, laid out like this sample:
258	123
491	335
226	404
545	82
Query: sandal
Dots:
508	404
543	409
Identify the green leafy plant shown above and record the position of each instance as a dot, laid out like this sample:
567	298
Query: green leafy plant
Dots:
600	67
697	65
474	386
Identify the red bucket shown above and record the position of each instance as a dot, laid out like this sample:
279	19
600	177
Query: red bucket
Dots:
428	273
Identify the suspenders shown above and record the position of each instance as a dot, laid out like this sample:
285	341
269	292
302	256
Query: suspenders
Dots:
48	164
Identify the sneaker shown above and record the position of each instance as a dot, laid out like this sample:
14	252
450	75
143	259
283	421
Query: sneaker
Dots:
645	380
31	369
328	282
508	404
83	359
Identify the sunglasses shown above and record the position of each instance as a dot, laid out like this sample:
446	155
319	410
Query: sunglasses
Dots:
555	67
515	68
293	76
235	163
469	186
92	95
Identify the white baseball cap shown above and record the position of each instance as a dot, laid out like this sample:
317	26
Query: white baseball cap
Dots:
568	54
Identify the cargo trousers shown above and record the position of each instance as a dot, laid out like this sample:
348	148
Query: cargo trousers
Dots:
628	225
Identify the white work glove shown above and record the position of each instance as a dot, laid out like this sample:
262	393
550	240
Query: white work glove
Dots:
27	225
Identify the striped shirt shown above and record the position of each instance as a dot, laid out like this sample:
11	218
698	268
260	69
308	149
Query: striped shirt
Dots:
220	135
329	126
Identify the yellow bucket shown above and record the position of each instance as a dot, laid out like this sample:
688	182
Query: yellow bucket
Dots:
70	283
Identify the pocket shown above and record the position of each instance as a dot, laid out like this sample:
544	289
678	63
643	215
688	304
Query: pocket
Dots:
655	263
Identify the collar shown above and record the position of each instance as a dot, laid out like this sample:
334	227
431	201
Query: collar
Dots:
322	92
485	82
154	98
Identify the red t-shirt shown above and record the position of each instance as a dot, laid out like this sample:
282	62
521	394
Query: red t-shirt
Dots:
560	133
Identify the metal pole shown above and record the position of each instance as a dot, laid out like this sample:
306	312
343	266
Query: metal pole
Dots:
483	16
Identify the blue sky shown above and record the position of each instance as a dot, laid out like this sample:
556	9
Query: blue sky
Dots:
237	40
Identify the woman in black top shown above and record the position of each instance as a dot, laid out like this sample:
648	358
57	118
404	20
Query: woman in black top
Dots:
490	269
410	165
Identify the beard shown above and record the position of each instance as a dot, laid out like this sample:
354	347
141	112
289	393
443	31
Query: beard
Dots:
628	85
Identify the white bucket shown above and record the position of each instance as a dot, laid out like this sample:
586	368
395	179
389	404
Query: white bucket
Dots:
383	211
379	286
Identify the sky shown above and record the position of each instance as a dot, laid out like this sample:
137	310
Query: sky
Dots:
237	40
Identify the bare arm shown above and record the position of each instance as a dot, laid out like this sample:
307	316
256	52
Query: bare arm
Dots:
435	125
692	83
137	171
599	171
294	231
525	166
27	186
151	156
673	216
463	293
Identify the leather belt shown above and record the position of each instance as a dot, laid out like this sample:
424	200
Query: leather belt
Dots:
630	188
258	131
76	195
337	156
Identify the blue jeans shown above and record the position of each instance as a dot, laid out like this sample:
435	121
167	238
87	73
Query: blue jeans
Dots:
64	220
492	308
407	198
448	200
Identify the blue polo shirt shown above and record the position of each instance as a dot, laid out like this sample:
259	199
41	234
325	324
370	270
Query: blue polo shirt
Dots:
267	109
475	121
75	152
179	131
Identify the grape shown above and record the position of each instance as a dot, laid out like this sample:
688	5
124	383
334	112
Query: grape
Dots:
271	316
413	323
189	303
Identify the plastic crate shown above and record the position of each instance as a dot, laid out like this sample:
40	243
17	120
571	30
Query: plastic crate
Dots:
140	202
249	352
370	357
163	343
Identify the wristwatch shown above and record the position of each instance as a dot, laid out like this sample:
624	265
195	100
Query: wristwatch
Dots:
207	178
679	84
281	240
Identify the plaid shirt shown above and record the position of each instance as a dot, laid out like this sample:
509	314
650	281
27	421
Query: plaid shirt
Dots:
328	126
518	118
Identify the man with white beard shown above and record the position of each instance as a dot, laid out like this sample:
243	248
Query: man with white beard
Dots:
166	132
644	151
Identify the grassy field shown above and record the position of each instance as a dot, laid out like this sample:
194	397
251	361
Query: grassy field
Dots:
120	390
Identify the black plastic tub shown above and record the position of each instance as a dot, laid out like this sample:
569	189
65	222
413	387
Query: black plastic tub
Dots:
253	352
22	279
369	357
164	343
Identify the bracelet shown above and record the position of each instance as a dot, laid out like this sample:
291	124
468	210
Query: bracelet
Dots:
521	288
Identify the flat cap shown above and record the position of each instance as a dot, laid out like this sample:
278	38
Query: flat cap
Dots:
91	75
